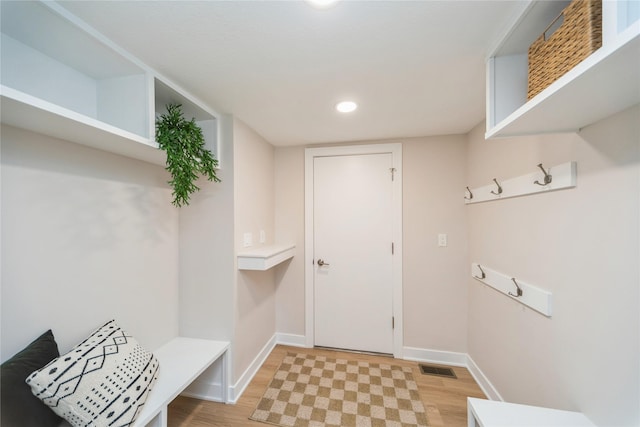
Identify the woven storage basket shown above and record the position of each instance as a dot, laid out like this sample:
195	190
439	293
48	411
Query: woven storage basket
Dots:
579	35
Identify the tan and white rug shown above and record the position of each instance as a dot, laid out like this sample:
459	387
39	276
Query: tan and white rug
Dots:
318	391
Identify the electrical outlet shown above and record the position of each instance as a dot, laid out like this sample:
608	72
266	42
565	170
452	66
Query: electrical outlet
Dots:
442	239
248	240
263	236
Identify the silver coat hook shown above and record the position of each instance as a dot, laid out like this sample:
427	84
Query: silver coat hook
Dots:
470	195
481	271
499	188
519	291
547	177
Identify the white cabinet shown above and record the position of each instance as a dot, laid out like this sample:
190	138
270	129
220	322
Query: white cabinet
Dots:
59	77
606	82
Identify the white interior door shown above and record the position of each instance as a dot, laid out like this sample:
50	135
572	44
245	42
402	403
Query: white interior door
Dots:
353	264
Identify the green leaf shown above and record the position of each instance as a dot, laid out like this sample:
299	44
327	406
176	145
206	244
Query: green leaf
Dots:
187	157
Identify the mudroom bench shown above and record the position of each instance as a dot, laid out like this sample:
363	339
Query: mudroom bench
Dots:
181	360
488	413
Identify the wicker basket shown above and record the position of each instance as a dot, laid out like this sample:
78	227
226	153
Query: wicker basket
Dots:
579	35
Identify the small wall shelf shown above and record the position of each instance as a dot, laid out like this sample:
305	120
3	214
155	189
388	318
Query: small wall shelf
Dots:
62	78
265	257
529	295
563	176
603	84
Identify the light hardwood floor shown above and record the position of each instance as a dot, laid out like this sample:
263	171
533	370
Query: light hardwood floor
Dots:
445	399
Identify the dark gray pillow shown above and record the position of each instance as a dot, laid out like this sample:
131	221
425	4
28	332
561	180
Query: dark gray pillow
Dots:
20	407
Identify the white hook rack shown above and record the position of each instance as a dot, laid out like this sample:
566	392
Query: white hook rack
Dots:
555	178
527	294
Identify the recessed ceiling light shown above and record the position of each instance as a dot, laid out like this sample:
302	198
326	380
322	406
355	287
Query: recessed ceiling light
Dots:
321	4
346	106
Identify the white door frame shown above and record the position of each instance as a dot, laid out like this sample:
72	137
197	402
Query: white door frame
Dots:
310	153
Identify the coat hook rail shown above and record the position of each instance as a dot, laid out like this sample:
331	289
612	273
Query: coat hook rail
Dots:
499	188
519	291
524	293
557	177
547	177
470	194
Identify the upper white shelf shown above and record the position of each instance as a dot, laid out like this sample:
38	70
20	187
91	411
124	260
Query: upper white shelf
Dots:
60	77
603	84
27	112
264	257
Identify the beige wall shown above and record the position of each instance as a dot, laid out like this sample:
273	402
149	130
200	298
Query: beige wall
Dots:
435	290
87	236
581	244
289	223
207	257
255	312
435	301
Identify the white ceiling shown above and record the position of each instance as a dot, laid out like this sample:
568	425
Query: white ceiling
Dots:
416	68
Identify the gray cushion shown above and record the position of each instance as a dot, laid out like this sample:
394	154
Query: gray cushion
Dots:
20	407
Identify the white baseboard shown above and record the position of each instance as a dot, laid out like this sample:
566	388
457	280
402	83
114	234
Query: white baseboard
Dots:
435	356
291	339
450	358
236	390
482	380
454	359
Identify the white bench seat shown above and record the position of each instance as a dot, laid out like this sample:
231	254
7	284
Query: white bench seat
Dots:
488	413
181	360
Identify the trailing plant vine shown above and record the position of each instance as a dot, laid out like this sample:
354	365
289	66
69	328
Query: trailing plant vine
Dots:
187	157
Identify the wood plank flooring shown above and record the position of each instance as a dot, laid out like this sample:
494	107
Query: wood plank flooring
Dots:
445	399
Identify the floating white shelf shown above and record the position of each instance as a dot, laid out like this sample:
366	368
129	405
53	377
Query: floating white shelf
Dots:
265	257
529	295
603	84
60	77
563	176
27	112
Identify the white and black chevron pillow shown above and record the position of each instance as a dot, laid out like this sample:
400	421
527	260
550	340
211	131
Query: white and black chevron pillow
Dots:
103	381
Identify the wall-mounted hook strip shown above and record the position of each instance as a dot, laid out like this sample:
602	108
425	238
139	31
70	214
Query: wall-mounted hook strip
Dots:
499	188
470	195
547	177
564	177
519	291
524	293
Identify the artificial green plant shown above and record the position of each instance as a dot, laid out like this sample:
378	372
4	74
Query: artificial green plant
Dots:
187	157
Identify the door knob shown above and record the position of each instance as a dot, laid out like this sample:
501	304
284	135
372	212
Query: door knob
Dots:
321	263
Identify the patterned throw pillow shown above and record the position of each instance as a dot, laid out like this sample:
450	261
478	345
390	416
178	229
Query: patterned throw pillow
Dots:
102	381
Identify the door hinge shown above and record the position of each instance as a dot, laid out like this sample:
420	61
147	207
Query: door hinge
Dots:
393	172
392	248
393	322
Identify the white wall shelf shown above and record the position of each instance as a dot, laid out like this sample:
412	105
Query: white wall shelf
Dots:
488	413
27	112
531	296
81	87
603	84
265	257
563	176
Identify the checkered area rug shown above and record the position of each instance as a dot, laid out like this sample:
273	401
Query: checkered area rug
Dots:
317	391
